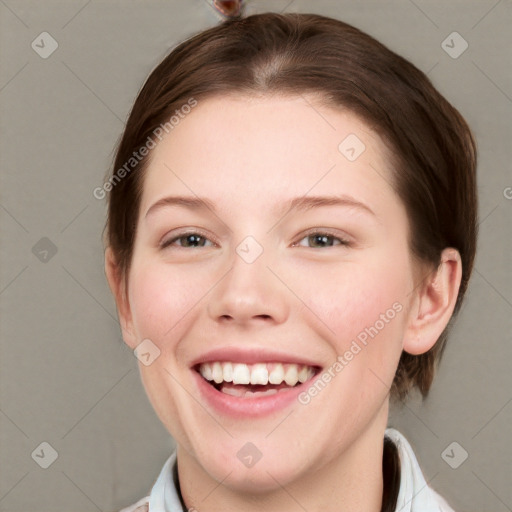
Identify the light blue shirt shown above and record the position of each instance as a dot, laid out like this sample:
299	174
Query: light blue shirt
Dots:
414	495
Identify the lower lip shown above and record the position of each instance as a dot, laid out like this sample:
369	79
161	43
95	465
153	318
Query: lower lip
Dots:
247	407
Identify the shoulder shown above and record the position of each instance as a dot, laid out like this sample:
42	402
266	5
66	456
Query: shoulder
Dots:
141	506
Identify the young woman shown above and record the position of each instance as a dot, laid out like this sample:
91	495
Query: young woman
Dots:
291	227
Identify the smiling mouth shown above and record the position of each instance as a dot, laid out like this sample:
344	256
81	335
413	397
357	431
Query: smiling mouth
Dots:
254	380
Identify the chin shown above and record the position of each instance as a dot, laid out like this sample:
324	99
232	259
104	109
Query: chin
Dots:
260	475
258	481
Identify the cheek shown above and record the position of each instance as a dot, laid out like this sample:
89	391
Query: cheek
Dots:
364	306
355	298
365	312
162	302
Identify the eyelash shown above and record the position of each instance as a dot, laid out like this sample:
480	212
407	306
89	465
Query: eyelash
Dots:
343	241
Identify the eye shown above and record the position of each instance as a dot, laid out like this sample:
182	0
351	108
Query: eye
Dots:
317	239
320	239
186	240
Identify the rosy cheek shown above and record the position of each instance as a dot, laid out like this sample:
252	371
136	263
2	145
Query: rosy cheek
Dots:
163	303
349	306
348	300
152	305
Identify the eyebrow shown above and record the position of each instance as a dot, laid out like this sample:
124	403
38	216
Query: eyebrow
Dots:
303	203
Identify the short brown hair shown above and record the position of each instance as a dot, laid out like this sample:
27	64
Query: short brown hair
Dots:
433	151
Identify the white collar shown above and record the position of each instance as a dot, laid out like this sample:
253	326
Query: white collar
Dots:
164	496
414	495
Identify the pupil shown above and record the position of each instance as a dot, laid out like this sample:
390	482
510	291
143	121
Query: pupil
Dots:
192	239
320	239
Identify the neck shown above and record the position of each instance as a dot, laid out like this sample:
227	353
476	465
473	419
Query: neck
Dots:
352	481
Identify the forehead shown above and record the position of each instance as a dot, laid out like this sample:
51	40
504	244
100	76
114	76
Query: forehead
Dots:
256	150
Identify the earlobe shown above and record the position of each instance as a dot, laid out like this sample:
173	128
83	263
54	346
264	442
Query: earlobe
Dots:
434	304
117	287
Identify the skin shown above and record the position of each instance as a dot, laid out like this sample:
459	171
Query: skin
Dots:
250	156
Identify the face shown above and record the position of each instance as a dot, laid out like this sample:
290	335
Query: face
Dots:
279	303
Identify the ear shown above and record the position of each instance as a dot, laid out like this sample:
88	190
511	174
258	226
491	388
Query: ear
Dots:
433	304
118	289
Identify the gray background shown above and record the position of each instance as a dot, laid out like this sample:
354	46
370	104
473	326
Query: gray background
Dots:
66	376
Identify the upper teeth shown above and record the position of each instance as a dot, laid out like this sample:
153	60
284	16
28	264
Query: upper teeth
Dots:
260	373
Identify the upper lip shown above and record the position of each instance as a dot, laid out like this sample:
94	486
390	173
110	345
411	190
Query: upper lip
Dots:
251	356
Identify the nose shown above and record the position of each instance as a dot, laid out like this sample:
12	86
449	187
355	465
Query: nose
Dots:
249	293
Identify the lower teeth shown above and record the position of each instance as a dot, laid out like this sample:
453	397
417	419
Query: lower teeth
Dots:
246	394
242	391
